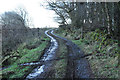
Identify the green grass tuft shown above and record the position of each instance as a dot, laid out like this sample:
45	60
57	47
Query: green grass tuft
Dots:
25	55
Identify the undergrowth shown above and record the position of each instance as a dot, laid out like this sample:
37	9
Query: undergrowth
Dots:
104	50
24	54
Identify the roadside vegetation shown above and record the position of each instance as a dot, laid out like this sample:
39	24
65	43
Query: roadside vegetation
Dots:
26	55
94	27
105	54
20	44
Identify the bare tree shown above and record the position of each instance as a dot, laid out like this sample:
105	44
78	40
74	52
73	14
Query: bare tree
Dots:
88	16
13	31
24	14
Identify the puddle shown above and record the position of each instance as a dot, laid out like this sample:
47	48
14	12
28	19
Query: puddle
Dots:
47	56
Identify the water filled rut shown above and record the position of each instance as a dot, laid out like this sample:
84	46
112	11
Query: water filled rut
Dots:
50	54
77	65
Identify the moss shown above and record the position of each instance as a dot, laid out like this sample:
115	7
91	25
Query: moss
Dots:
104	64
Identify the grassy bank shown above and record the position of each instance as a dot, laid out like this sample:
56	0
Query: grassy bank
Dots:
104	59
27	52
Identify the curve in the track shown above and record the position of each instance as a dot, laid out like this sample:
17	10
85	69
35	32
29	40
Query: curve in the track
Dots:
47	56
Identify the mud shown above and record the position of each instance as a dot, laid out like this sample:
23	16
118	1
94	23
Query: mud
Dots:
77	65
42	70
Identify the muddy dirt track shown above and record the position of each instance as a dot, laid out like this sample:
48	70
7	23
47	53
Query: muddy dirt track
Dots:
77	65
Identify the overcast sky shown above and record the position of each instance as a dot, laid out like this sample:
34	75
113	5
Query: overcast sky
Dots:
41	17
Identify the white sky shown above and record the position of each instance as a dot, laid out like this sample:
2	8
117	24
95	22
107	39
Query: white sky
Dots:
41	17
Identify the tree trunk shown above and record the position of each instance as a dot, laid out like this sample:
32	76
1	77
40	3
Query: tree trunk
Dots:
108	18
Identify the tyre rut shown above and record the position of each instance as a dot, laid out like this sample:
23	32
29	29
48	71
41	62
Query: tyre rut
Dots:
77	65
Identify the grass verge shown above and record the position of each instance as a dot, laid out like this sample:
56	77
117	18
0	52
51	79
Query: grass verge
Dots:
25	55
104	61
